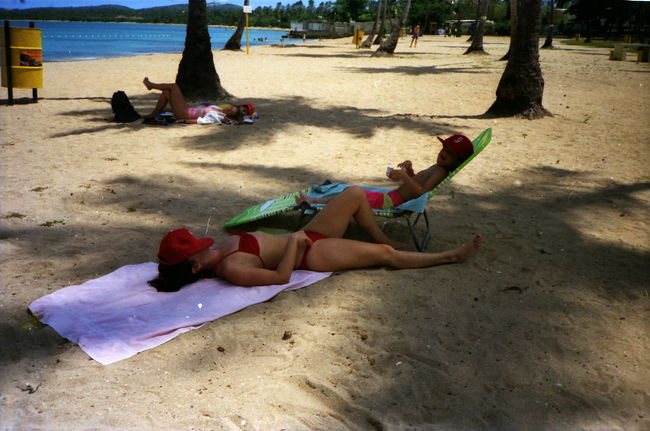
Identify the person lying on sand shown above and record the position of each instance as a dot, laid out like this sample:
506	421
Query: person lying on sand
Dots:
172	97
258	258
455	150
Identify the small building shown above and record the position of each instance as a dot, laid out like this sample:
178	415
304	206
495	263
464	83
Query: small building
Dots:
326	30
467	25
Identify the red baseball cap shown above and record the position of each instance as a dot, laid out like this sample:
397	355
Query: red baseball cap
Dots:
250	107
180	244
459	145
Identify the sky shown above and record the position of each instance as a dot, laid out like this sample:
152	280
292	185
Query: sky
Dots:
134	4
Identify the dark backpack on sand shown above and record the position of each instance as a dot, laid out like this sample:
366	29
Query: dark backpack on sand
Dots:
122	108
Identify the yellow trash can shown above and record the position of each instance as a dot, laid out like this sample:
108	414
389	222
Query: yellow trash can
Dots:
22	58
357	39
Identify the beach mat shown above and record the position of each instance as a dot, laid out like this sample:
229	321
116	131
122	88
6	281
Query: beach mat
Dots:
118	315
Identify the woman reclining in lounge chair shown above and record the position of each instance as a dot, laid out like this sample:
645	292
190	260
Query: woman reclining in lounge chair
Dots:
455	150
258	258
204	114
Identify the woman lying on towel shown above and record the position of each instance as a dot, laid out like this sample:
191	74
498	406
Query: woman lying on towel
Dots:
455	150
204	114
258	258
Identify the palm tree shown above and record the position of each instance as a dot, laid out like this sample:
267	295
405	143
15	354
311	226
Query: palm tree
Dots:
197	77
478	18
234	43
477	39
382	25
368	42
388	46
513	27
548	43
521	86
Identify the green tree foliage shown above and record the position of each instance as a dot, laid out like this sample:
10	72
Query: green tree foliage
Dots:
610	18
430	14
497	12
177	14
350	10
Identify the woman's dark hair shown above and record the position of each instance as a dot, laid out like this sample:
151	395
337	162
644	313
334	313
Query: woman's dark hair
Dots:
239	115
172	277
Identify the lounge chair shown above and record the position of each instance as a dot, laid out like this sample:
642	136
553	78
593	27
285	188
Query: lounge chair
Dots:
413	210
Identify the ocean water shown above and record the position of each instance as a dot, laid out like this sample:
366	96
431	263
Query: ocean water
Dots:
70	41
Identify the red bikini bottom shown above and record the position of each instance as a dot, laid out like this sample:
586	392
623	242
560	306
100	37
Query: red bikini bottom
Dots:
313	236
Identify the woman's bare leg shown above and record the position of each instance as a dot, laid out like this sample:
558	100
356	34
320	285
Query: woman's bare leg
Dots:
161	105
333	220
335	254
173	95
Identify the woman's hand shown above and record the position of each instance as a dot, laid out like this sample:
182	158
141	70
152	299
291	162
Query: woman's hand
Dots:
398	174
407	165
301	239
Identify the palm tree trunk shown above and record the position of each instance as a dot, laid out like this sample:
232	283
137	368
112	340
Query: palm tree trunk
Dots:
521	86
197	77
548	43
477	40
388	46
478	18
234	43
382	26
368	42
513	27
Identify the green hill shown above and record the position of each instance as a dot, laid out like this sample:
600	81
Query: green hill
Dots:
222	14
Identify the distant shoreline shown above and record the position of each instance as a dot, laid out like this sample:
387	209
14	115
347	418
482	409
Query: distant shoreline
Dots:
149	23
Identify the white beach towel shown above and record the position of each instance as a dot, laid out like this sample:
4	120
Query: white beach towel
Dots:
118	315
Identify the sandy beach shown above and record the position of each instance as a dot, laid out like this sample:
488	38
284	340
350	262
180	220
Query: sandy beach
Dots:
546	329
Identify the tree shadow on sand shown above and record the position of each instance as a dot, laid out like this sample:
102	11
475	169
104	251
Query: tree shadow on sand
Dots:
502	333
353	54
414	70
278	114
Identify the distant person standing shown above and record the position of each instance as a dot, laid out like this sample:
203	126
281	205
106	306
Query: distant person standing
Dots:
415	36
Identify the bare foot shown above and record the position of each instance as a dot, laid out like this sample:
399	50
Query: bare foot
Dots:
147	83
463	253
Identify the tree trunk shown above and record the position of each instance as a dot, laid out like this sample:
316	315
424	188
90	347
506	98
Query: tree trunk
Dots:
477	40
548	43
513	27
197	77
368	42
382	26
388	46
478	18
234	43
521	86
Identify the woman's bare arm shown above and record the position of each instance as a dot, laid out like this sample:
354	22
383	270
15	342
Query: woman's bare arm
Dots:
243	275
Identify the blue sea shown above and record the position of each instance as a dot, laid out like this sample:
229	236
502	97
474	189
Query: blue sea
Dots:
70	41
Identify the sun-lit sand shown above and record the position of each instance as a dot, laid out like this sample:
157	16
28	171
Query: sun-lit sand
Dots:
546	329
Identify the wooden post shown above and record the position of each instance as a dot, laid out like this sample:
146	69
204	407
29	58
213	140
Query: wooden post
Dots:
34	90
10	84
247	49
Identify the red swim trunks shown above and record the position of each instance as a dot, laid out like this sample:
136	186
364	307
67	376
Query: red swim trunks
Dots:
383	200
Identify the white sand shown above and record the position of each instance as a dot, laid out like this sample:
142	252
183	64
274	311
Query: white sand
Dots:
547	329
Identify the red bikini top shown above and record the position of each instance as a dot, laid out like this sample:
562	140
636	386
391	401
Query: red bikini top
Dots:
247	244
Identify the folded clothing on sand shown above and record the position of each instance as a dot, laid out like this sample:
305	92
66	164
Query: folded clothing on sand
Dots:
118	315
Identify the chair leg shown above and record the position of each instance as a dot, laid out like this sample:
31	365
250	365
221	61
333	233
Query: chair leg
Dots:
420	245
